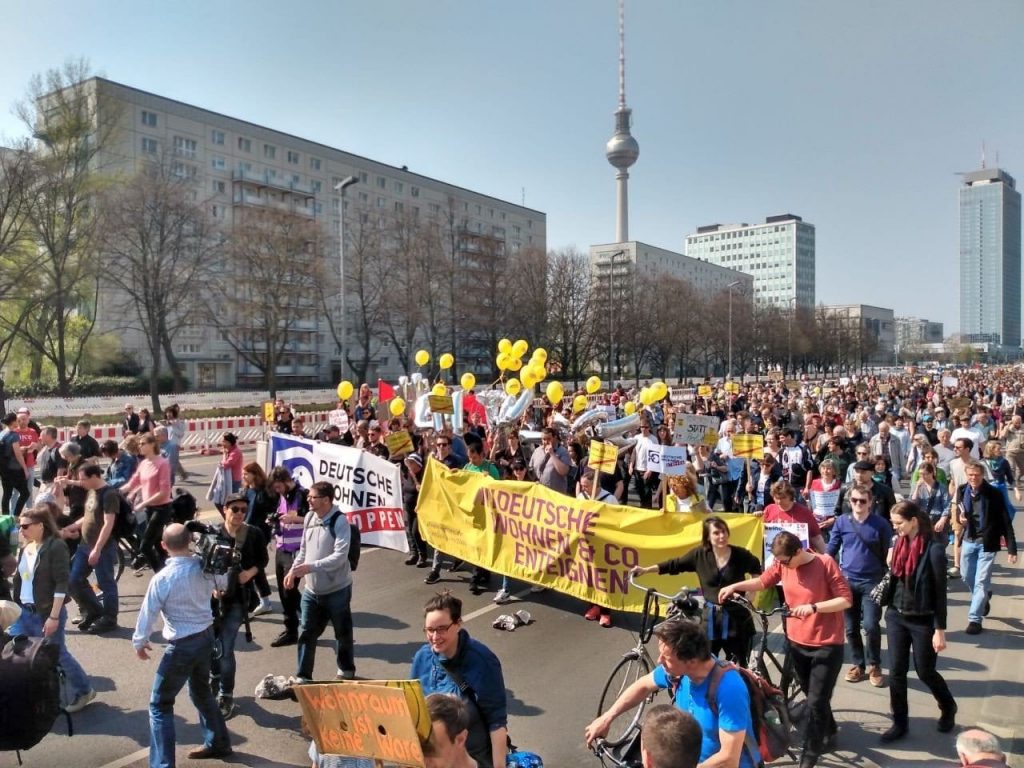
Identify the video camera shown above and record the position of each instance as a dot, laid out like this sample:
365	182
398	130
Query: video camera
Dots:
218	558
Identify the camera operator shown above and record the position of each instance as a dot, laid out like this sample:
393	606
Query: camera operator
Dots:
246	554
180	592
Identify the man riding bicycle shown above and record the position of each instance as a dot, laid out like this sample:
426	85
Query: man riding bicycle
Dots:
684	667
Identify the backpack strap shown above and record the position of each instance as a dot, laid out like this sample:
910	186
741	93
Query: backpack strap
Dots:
749	741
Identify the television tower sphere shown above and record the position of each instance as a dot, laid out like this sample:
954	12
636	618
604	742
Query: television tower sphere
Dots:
622	150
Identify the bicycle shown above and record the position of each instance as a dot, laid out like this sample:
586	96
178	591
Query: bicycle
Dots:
621	746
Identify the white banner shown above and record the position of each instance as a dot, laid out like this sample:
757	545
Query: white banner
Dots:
367	488
771	530
823	504
692	429
668	459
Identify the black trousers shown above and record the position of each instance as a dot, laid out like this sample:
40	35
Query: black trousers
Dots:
291	599
906	634
817	669
645	488
726	492
417	545
157	519
14	481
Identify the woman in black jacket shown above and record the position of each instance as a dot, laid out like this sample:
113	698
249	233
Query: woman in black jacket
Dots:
263	504
916	618
718	564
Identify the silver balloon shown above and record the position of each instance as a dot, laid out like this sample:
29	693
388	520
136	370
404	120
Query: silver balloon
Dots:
623	443
518	408
588	419
421	412
416	378
617	427
403	380
438	422
491	400
457	412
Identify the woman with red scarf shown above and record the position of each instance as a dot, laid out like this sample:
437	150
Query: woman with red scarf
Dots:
916	618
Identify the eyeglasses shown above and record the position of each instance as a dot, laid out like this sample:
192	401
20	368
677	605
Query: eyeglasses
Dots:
23	526
443	445
311	497
443	629
238	510
858	501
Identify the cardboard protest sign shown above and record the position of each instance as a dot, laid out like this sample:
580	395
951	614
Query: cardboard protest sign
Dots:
578	547
704	390
950	381
367	488
771	530
602	456
693	429
748	446
732	387
959	403
794	384
776	375
883	389
398	443
440	404
269	416
823	504
338	418
364	720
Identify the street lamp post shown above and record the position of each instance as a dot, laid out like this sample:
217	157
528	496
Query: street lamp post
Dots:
728	372
340	188
792	311
611	317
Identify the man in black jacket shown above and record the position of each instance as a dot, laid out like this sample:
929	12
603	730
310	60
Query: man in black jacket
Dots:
985	521
882	497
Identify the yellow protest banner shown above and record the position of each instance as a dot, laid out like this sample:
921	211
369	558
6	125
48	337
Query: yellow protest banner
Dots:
748	446
440	403
364	720
704	390
602	456
578	547
398	443
269	416
732	387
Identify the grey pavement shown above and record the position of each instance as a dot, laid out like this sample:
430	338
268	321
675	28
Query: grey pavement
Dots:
555	670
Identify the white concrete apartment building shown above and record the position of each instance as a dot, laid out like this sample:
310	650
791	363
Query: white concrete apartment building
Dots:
237	164
622	260
778	254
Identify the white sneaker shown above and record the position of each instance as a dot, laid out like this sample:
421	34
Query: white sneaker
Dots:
537	588
263	607
502	597
81	702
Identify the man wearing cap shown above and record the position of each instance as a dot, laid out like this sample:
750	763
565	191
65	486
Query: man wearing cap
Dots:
927	428
882	497
130	422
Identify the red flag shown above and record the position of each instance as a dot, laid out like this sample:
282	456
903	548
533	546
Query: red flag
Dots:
385	391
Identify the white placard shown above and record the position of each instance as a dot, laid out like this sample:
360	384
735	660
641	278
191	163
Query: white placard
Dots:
950	381
672	460
338	418
692	429
823	504
771	530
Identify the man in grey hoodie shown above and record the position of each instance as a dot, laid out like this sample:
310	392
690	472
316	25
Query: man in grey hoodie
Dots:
327	597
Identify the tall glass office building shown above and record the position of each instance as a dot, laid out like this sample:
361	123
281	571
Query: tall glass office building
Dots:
990	266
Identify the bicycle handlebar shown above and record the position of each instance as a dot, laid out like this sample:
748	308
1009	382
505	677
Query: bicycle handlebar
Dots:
682	594
744	601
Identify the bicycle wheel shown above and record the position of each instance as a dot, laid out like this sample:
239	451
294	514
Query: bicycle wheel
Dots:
630	668
793	693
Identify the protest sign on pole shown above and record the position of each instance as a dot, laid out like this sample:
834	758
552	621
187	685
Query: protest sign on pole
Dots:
440	404
950	381
603	456
704	390
398	443
269	415
367	488
776	375
338	418
366	719
771	530
694	429
674	460
732	387
748	446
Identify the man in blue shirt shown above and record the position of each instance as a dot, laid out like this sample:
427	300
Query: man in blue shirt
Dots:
181	593
684	667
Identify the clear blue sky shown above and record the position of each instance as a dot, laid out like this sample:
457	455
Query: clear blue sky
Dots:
854	115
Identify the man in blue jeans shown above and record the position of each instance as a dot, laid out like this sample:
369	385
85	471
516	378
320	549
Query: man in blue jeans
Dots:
180	591
327	597
98	551
985	521
861	540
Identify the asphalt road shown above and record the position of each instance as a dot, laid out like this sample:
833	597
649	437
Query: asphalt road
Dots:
554	669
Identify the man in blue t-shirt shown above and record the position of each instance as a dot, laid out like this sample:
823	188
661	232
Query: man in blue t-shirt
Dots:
684	668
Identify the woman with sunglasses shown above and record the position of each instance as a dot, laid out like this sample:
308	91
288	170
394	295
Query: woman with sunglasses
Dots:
817	595
40	588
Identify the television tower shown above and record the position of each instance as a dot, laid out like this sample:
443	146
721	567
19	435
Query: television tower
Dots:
622	149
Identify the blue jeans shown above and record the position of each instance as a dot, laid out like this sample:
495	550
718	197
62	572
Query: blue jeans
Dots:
31	625
78	582
976	571
864	614
317	611
185	661
222	674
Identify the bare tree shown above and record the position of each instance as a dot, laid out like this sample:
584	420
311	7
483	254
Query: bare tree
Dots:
572	312
365	292
159	245
17	257
526	294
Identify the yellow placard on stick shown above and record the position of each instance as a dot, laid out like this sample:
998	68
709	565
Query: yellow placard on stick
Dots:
269	415
733	387
366	719
440	403
704	390
748	446
602	456
398	443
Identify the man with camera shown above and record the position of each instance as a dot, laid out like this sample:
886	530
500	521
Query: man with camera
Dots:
327	598
244	550
180	592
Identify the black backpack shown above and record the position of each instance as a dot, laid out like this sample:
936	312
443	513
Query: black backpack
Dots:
124	524
355	541
183	506
31	681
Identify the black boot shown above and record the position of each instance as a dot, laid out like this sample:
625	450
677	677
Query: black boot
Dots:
947	720
896	731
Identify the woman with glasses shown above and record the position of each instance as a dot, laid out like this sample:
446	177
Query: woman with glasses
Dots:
41	588
452	662
915	621
817	596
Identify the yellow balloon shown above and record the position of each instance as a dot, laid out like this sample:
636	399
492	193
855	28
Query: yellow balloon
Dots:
503	360
645	396
520	348
397	407
555	392
541	354
579	403
593	385
514	363
526	376
539	372
505	346
659	390
468	381
446	361
345	390
513	387
422	357
439	389
629	408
